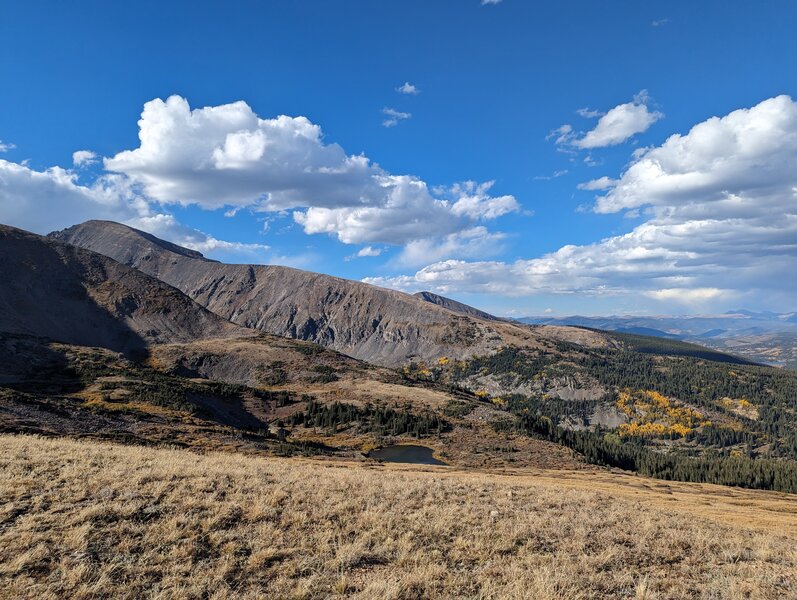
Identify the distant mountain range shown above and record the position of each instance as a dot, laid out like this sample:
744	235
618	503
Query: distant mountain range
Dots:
764	336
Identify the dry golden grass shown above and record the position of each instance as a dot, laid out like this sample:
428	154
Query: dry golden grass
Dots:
94	520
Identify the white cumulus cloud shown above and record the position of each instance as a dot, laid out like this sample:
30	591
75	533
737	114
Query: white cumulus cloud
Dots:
614	127
369	251
41	201
45	201
408	88
472	200
721	207
733	164
621	123
476	242
82	158
168	227
228	157
410	212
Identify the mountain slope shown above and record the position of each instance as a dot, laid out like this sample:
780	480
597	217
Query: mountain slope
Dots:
55	290
371	323
454	306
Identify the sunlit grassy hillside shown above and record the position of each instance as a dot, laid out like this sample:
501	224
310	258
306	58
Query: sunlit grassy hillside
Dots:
94	520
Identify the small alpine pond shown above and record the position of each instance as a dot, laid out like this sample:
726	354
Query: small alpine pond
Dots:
409	453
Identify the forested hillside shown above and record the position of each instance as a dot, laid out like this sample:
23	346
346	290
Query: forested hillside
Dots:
675	415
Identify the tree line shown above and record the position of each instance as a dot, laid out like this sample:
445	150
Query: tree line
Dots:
382	420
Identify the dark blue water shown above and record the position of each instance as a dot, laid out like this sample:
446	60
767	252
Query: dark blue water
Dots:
417	455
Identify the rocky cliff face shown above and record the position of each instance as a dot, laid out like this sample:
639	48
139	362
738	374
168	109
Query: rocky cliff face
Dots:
370	323
55	290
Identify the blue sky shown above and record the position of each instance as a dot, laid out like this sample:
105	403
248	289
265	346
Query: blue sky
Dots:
702	223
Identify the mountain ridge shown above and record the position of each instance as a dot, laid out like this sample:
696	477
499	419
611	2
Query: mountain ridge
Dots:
379	325
456	306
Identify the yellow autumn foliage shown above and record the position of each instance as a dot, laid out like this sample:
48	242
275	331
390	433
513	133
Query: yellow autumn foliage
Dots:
654	415
642	429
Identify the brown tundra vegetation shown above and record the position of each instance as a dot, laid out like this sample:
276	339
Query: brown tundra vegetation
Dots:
86	519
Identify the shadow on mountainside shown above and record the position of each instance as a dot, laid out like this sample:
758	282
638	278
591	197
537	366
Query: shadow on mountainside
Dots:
45	294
